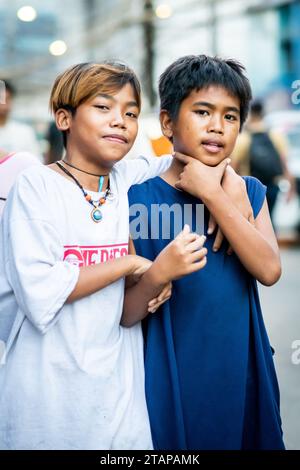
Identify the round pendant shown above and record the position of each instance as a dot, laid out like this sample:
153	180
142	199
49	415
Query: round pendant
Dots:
96	215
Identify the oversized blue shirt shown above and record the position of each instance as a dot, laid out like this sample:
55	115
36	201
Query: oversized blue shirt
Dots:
210	377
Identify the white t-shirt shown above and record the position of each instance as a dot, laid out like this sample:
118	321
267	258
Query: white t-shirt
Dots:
10	167
72	378
18	137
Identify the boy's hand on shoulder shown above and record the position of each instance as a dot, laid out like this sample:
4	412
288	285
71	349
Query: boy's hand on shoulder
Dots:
198	179
235	188
184	255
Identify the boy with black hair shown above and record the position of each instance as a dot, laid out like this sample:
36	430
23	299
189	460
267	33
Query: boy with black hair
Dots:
210	377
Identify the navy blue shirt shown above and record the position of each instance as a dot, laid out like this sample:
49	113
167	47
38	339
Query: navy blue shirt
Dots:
210	377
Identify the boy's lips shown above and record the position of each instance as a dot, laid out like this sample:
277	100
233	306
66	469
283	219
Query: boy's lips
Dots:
212	145
116	138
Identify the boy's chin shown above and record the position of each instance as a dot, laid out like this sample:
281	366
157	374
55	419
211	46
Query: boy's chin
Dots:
107	161
209	160
205	158
114	157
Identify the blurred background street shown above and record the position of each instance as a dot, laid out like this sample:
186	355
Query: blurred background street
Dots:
280	305
39	39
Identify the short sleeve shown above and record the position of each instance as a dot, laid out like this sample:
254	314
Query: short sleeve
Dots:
256	193
33	256
140	169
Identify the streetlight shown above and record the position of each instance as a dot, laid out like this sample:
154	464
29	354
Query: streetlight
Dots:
163	11
57	47
27	13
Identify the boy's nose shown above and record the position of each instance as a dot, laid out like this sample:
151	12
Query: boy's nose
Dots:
216	125
117	120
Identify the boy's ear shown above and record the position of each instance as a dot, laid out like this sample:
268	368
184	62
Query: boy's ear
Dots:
166	124
63	119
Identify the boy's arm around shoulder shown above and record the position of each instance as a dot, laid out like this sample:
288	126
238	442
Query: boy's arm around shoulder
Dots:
142	168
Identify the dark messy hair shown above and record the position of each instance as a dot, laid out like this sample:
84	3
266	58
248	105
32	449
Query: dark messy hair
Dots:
194	72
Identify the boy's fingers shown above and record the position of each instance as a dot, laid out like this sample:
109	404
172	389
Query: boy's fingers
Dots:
218	240
162	301
191	237
185	231
155	307
223	165
187	237
164	298
211	224
182	157
163	294
198	255
195	245
199	265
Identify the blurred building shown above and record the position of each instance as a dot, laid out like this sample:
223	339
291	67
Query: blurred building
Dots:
263	35
148	35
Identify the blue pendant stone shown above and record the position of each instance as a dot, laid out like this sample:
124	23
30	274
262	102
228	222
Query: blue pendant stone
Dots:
96	215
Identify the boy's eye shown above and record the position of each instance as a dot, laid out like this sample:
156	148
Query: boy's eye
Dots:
101	106
230	117
132	115
202	112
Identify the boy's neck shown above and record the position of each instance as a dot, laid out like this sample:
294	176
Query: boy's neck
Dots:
87	165
171	176
86	172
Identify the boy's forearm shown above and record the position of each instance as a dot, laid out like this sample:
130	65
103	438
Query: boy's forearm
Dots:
253	250
96	277
138	296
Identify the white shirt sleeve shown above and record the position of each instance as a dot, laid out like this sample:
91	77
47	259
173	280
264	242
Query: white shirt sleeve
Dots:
34	264
140	169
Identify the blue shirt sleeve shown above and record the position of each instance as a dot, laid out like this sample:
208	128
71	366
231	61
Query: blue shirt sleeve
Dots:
256	193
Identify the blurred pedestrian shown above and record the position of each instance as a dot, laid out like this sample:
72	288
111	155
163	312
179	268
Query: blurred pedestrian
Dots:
15	136
10	166
262	153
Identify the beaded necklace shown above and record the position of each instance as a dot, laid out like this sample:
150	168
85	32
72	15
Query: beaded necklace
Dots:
96	213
